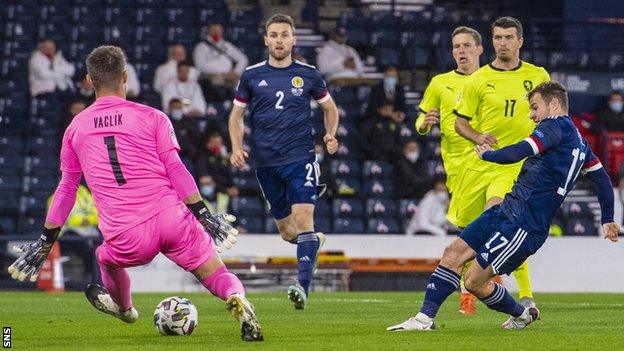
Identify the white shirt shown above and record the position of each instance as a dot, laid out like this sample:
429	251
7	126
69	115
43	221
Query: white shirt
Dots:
133	87
331	57
167	72
210	61
188	92
46	76
431	214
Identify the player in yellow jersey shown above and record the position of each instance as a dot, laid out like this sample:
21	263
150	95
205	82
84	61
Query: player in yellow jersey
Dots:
493	110
437	106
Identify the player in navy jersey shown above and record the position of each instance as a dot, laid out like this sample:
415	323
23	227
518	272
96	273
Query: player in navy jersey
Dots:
507	234
278	92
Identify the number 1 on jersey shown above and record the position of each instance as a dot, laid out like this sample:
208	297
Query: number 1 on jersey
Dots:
578	158
114	160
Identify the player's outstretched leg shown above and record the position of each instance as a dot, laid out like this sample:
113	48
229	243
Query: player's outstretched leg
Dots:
228	287
524	285
496	297
99	298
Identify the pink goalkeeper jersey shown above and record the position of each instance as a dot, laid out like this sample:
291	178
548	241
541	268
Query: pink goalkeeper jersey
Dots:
116	143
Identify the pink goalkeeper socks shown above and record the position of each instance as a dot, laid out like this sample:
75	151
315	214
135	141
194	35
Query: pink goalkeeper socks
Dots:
117	282
222	283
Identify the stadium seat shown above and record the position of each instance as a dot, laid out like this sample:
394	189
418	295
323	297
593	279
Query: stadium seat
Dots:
345	168
11	163
352	19
407	208
213	14
384	38
383	226
412	21
150	15
580	227
417	56
385	20
322	208
350	183
10	182
577	210
253	225
270	227
379	188
357	37
247	18
322	224
181	16
387	57
417	39
377	169
7	225
33	205
342	95
381	208
348	226
347	208
10	200
435	167
31	225
247	205
347	131
32	183
247	184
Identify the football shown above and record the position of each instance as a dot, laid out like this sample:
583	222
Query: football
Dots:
175	316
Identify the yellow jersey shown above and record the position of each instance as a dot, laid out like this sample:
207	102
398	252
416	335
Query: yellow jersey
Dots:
441	94
494	101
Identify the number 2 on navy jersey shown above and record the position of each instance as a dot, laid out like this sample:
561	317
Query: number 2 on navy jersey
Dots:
280	97
578	159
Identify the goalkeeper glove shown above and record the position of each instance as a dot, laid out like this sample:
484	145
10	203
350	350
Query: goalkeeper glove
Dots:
217	225
35	253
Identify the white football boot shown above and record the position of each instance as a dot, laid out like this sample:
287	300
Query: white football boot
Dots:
527	317
241	309
419	322
99	298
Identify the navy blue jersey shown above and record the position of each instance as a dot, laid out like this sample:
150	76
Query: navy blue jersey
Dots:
279	102
560	154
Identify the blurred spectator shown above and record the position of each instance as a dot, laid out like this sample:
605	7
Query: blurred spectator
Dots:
186	90
186	131
219	62
216	200
168	71
49	72
410	173
431	214
611	118
387	99
214	161
75	107
336	59
83	218
133	87
84	90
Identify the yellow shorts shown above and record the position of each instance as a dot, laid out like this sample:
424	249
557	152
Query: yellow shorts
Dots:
472	190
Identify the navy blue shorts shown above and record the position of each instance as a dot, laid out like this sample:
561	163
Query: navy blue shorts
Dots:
289	184
500	243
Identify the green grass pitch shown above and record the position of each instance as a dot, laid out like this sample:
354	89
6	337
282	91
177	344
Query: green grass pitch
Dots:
332	321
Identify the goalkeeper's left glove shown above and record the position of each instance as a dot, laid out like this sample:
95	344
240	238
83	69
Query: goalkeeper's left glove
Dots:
217	225
35	253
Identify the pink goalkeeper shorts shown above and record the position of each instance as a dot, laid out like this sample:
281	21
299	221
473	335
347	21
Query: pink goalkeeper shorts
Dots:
174	231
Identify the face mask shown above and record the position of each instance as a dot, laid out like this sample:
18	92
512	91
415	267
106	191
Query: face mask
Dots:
177	115
215	37
319	157
207	190
616	106
412	156
390	83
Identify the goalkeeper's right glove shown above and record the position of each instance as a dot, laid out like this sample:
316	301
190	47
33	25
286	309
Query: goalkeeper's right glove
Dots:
35	253
217	225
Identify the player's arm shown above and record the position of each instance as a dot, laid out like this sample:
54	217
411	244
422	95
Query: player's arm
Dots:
331	117
35	253
466	111
236	121
429	108
604	191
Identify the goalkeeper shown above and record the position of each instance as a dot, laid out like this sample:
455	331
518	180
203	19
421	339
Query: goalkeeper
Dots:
147	200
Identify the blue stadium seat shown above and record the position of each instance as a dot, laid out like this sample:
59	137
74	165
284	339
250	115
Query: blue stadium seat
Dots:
435	167
43	145
92	13
381	208
417	56
383	226
270	227
41	162
33	205
247	18
574	209
35	183
379	188
345	168
347	208
414	21
580	227
352	183
385	20
11	161
352	20
347	131
377	169
357	37
14	143
322	208
244	36
181	16
348	226
213	14
10	200
322	224
408	207
8	225
347	150
343	95
384	38
247	184
150	32
387	57
252	224
150	15
31	224
419	39
247	205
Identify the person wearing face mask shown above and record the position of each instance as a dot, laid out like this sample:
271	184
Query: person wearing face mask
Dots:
187	90
431	214
380	134
411	179
219	62
168	71
186	131
216	201
611	118
213	160
336	59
